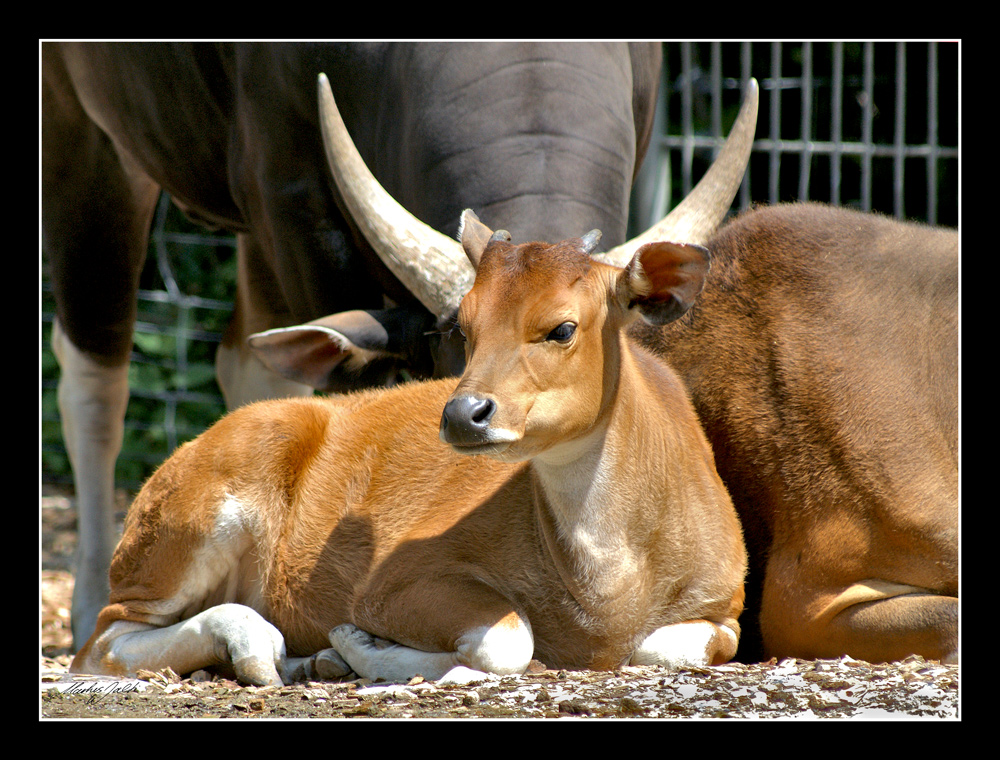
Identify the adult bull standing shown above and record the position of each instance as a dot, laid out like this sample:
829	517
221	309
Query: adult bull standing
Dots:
544	138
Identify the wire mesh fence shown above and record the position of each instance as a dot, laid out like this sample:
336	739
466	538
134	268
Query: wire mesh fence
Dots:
868	125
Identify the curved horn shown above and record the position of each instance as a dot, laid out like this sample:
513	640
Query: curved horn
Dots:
696	217
431	265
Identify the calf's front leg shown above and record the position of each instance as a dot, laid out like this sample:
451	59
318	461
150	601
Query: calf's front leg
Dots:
503	648
691	644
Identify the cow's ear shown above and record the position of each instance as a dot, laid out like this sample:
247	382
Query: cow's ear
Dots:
664	279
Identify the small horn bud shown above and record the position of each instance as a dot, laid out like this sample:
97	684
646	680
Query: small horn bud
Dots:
590	241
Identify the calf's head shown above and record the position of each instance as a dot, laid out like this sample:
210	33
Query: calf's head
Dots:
544	329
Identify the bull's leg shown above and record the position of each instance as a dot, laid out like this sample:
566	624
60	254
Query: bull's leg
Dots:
242	377
873	620
693	643
92	402
230	635
97	207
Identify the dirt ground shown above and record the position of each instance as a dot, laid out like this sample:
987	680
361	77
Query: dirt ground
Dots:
790	689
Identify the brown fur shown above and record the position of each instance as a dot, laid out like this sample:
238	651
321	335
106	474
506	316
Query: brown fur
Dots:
822	360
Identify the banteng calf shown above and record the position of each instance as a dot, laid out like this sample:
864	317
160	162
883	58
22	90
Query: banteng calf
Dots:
564	506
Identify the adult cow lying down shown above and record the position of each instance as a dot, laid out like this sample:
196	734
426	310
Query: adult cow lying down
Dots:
822	359
570	510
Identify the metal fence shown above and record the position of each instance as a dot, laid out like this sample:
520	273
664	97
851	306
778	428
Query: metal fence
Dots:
868	125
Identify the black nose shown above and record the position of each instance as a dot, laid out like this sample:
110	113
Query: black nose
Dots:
466	420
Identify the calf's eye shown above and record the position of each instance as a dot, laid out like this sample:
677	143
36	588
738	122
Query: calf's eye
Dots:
562	333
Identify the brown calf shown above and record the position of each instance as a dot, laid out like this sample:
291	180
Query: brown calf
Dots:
564	506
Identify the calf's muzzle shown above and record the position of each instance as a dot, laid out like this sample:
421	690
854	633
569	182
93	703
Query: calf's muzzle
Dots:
466	420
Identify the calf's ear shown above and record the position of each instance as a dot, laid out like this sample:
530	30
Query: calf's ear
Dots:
476	236
664	279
